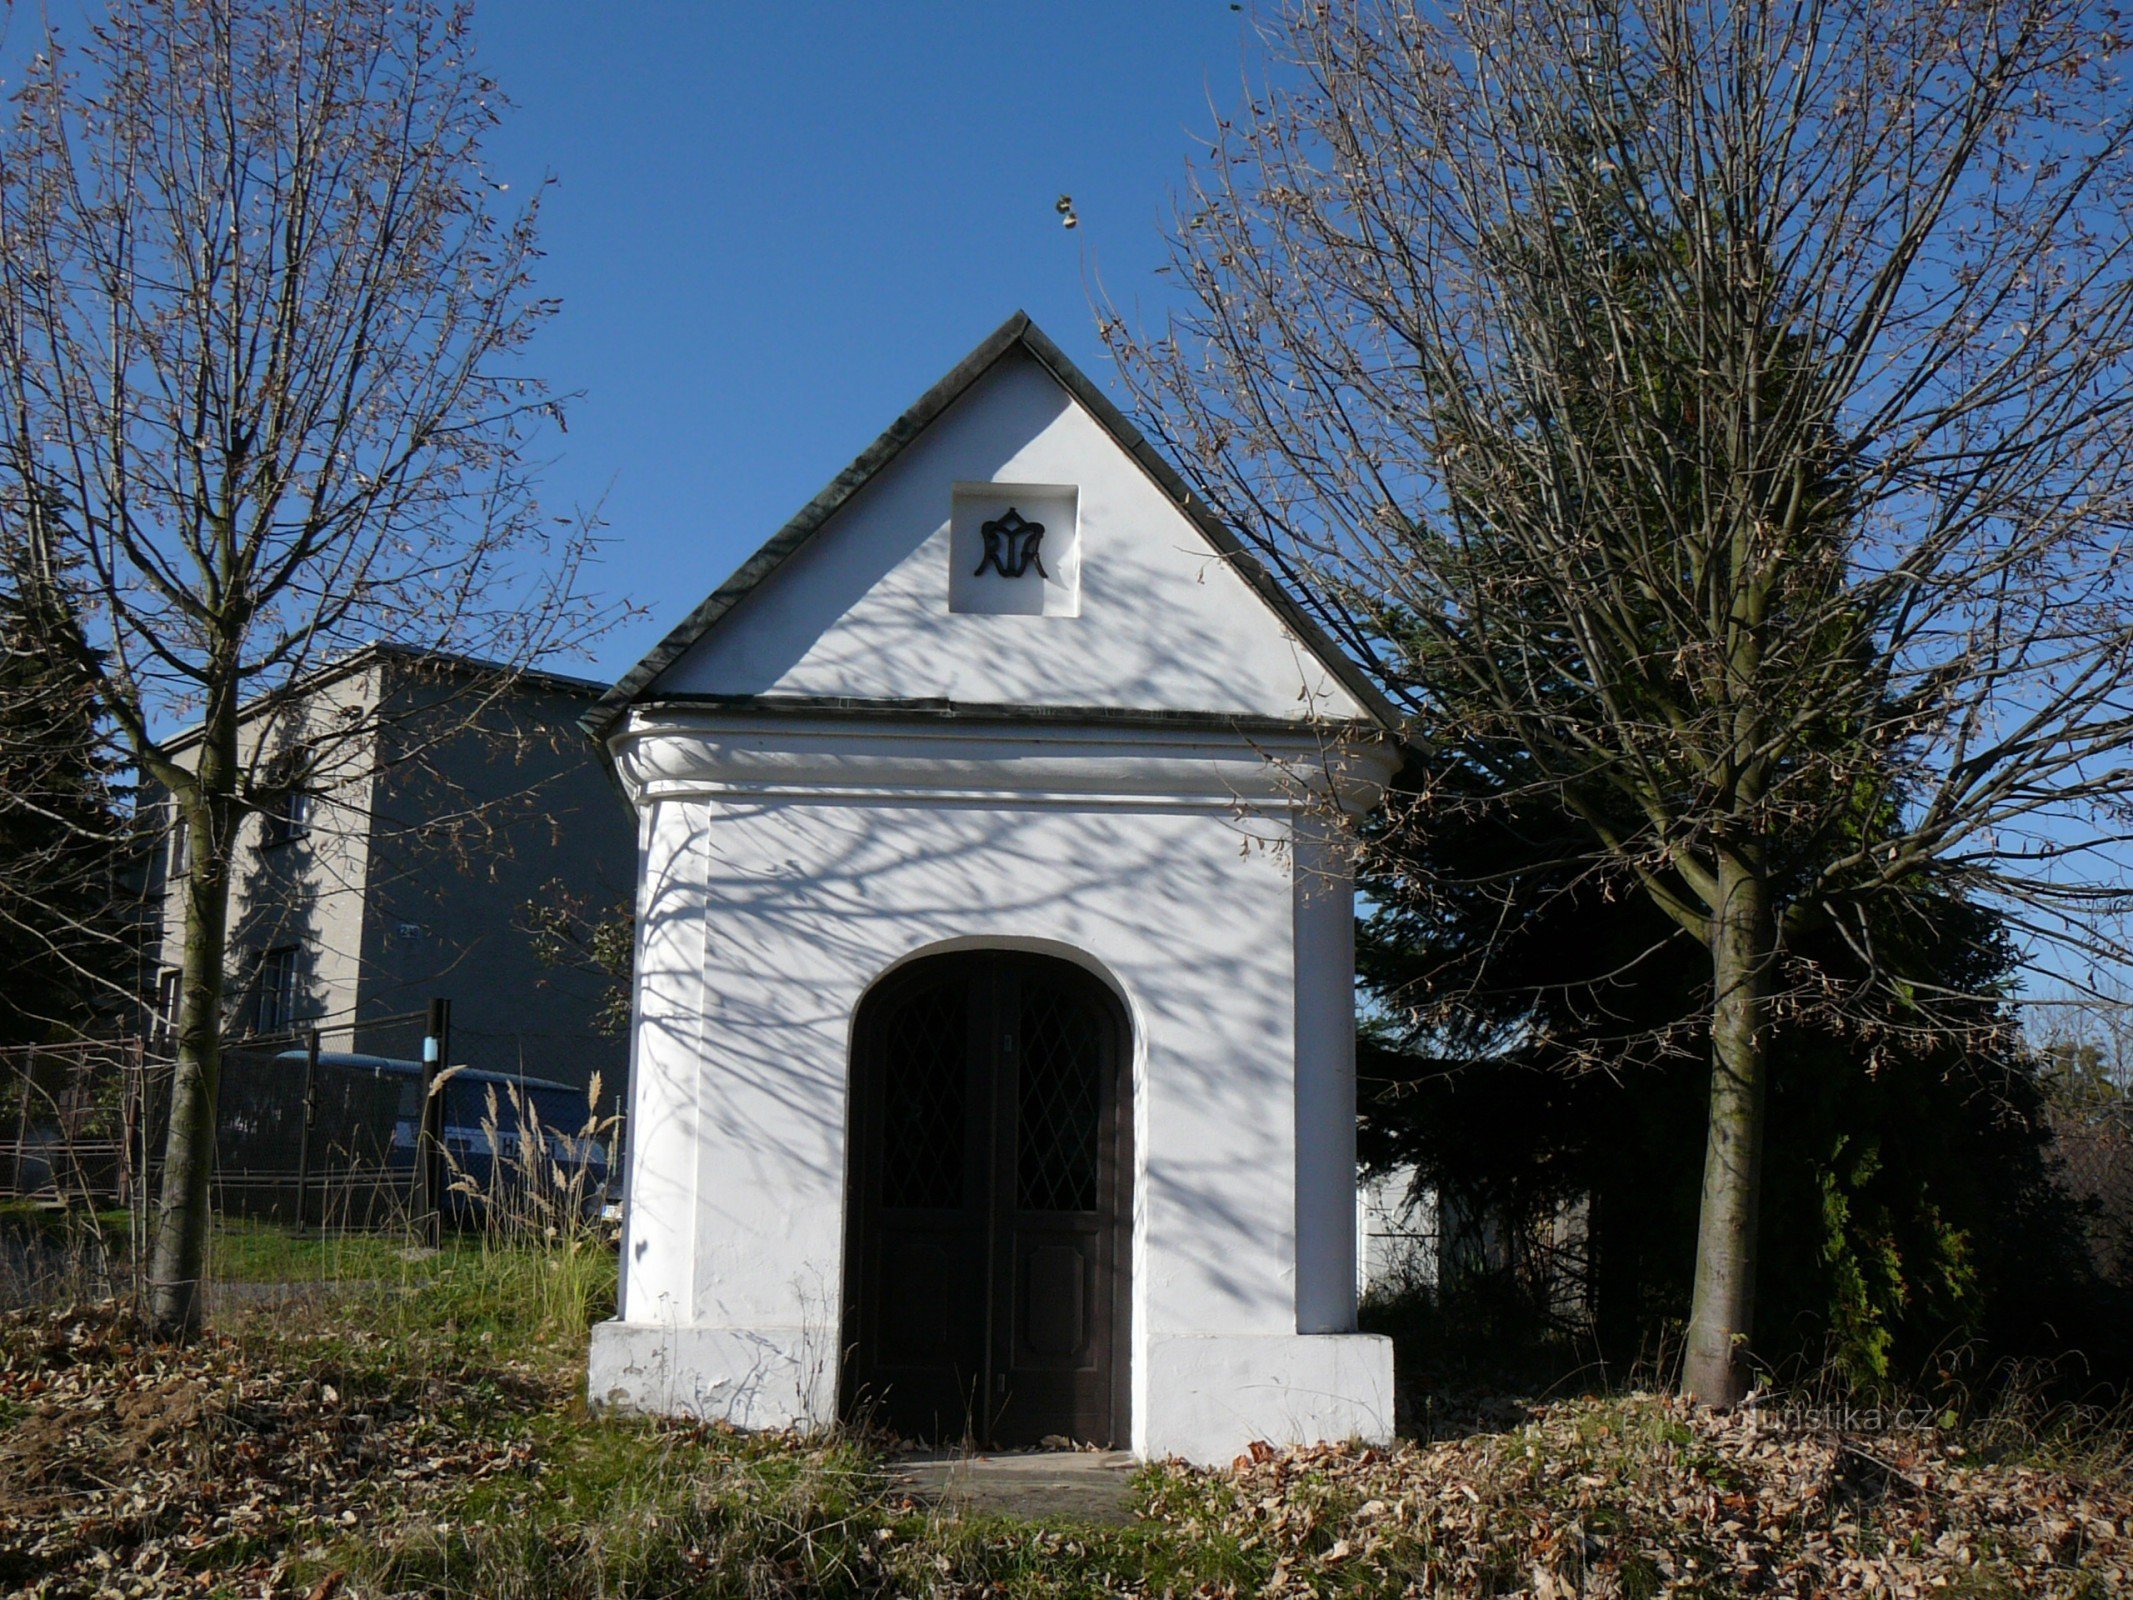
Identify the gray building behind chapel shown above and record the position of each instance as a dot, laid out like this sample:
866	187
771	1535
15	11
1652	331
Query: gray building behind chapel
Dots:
411	813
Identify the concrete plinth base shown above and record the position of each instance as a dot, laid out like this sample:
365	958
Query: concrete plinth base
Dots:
751	1377
1207	1398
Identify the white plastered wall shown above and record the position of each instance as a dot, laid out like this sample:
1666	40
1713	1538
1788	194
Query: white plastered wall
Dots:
786	871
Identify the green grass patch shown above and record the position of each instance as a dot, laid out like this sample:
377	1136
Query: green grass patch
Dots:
58	1221
455	1313
622	1506
619	1506
266	1252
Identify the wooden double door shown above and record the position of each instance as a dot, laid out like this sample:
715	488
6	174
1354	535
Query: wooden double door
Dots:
989	1203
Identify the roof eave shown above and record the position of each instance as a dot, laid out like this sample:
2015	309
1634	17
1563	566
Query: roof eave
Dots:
843	708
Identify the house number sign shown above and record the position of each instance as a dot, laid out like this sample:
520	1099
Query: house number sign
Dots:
1011	546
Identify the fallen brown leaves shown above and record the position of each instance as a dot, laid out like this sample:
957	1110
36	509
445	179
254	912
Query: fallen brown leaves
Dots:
130	1469
266	1466
1649	1496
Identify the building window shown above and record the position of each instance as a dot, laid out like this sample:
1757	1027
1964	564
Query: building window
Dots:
164	1035
290	816
281	972
288	811
180	860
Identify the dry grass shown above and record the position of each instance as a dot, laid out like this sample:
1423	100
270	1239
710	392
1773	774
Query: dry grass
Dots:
424	1439
534	1206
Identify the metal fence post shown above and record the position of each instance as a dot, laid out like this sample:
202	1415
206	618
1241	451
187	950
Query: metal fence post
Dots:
137	1226
303	1130
22	1118
129	1113
429	1144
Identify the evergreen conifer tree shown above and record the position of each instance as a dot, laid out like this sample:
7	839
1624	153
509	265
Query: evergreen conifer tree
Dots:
67	900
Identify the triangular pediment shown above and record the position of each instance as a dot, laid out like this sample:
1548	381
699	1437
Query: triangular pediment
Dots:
1009	542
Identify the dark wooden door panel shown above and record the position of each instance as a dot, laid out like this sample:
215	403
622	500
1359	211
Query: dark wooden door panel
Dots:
1054	1323
929	1352
990	1172
918	1320
1065	1344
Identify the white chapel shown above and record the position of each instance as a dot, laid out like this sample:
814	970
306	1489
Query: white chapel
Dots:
993	1067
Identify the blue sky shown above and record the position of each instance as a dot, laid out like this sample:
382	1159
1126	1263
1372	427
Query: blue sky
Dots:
773	226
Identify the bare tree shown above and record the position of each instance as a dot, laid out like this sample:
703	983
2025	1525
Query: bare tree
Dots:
572	931
262	314
2087	1042
1716	420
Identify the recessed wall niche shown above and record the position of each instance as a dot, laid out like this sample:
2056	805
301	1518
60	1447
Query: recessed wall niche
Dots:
1015	549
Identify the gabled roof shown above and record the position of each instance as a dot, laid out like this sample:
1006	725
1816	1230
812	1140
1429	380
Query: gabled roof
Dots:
1018	333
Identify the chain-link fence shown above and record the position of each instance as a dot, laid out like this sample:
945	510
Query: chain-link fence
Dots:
74	1137
330	1127
1420	1240
73	1130
341	1130
320	1126
313	1127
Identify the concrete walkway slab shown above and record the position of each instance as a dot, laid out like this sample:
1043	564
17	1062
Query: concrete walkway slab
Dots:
1083	1485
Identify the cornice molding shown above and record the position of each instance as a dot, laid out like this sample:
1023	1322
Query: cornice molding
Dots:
667	753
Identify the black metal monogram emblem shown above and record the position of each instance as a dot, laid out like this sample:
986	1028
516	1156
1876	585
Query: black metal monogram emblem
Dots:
1011	546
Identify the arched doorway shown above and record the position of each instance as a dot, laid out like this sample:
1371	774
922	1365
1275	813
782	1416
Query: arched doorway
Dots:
989	1203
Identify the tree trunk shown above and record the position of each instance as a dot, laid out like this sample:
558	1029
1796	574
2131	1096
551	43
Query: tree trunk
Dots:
1722	1313
183	1213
